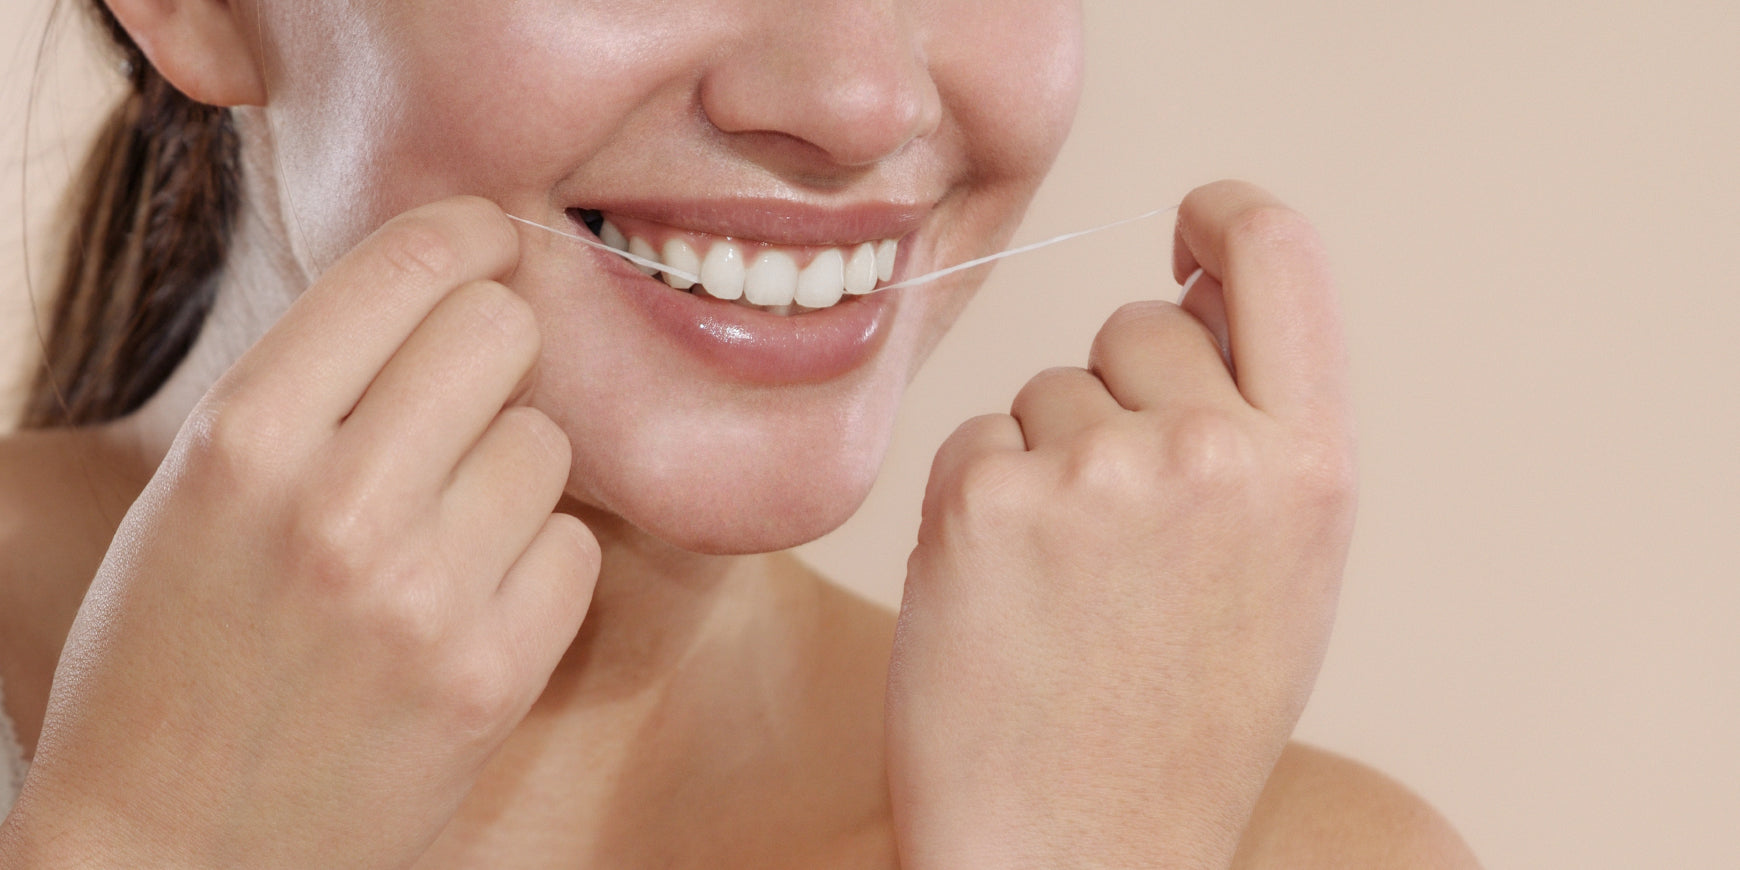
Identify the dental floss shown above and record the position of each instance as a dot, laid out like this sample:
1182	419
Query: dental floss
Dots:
637	260
926	278
1189	284
970	264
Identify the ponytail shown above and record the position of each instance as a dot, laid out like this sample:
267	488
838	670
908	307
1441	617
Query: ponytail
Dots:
152	213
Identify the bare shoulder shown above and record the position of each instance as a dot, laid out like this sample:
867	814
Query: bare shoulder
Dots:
1321	810
1318	810
29	495
62	493
22	598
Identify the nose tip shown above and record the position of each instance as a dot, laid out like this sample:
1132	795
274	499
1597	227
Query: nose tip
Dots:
866	117
848	83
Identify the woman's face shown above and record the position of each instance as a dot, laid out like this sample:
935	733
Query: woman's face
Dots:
781	131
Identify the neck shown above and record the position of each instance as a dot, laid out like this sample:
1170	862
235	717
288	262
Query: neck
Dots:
659	612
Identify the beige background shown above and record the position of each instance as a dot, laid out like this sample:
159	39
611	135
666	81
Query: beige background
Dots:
1536	212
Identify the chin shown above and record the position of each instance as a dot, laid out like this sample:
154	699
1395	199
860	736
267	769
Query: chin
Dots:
735	496
774	516
713	427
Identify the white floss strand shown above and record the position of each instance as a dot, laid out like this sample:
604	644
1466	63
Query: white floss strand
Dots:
638	261
926	278
971	264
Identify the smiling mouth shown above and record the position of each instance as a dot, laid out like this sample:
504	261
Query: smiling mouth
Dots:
779	279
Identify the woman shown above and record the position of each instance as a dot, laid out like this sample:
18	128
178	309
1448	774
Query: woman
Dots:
454	543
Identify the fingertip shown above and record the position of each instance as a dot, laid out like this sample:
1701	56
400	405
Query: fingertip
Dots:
546	436
588	553
507	235
1277	314
1205	299
1202	214
567	555
491	223
480	208
1183	258
545	596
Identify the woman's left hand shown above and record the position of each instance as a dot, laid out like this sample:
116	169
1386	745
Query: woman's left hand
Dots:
1123	589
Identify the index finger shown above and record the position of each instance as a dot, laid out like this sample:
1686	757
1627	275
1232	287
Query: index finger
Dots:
316	362
1283	318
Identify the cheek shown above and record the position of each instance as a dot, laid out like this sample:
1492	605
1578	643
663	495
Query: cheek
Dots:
508	99
434	100
1012	81
520	96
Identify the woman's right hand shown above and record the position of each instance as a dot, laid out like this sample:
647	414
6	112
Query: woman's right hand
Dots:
341	591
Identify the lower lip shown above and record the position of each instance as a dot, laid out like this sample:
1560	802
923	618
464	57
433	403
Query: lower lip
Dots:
751	346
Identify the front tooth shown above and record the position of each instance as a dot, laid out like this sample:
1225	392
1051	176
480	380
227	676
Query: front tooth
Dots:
679	255
643	249
820	284
861	269
722	271
886	251
772	280
612	236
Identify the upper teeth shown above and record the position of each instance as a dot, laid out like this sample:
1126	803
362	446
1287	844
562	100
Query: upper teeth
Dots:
765	276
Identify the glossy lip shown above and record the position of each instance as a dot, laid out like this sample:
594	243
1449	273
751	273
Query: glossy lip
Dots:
754	347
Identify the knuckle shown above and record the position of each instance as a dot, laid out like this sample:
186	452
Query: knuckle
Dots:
1133	321
1269	225
968	469
967	440
1057	374
1139	315
334	539
988	488
232	442
480	695
1326	475
402	609
1107	466
975	430
1050	379
1211	453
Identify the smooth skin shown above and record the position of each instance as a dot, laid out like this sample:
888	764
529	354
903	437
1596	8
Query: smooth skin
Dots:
329	550
1123	726
356	614
1154	532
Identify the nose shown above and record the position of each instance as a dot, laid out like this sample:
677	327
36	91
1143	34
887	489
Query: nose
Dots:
813	86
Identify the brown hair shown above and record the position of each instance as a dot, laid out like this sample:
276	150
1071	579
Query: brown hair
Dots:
152	212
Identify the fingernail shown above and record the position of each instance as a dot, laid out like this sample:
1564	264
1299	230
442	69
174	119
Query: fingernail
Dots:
1189	283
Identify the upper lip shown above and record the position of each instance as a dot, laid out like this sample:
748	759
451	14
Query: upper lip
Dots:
774	221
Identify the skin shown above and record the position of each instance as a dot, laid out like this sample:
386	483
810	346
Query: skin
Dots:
549	629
